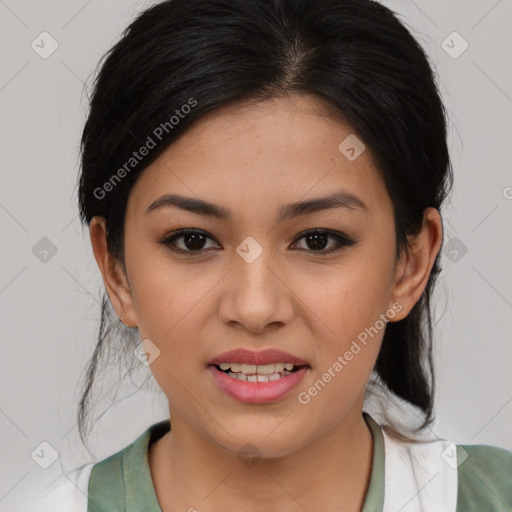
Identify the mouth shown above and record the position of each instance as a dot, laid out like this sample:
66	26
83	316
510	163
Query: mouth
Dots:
257	377
258	372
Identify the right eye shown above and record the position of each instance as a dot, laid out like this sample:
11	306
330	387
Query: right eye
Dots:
193	241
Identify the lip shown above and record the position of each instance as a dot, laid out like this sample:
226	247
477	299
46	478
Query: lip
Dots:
267	356
257	392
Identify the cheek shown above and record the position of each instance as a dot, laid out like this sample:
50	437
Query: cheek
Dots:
164	294
353	309
173	302
352	304
353	297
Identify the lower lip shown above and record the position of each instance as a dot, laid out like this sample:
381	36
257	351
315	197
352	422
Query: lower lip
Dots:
257	392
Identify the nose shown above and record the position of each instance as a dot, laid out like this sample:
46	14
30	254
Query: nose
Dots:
255	296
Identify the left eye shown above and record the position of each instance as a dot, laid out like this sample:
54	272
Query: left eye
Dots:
316	240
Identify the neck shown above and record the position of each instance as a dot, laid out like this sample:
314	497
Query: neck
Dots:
189	472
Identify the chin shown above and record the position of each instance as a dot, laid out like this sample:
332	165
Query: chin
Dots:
255	445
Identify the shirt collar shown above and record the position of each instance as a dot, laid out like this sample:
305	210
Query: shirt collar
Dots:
374	500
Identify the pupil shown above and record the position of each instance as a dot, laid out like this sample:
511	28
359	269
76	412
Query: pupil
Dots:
316	244
197	241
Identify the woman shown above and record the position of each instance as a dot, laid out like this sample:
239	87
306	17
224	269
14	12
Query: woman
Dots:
262	181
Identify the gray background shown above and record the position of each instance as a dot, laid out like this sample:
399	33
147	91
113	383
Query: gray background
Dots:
50	309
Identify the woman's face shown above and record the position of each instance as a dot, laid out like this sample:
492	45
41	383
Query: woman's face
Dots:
254	281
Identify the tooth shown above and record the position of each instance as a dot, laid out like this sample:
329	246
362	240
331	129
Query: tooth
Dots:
258	378
248	368
265	369
253	370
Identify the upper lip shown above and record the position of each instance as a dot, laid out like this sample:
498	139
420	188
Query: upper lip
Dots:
267	356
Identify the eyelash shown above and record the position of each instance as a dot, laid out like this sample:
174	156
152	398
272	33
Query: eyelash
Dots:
341	239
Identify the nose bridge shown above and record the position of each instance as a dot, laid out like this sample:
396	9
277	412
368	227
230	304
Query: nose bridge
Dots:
252	270
257	295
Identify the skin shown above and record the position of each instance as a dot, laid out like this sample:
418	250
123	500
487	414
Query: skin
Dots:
252	159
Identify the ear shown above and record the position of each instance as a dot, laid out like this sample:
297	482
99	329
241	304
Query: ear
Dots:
112	271
415	264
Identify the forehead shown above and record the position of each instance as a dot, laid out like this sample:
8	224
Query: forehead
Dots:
253	156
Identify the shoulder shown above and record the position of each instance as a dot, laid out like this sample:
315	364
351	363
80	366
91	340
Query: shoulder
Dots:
485	478
417	476
77	490
106	489
67	491
123	481
449	476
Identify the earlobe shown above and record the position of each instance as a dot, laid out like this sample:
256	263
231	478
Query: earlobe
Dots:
414	267
114	278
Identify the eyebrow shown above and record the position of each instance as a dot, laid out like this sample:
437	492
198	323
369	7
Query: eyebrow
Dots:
340	199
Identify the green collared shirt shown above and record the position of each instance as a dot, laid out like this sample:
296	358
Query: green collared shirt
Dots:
483	478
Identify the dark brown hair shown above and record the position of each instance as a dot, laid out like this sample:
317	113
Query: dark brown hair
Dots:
354	54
